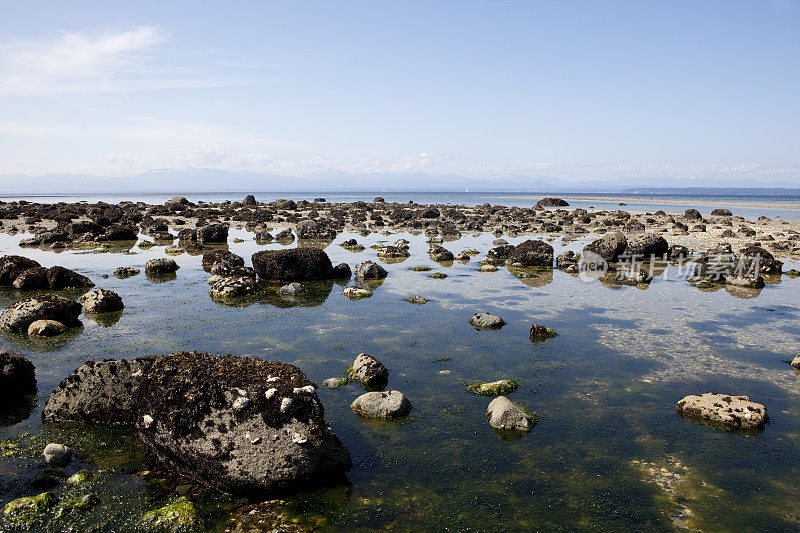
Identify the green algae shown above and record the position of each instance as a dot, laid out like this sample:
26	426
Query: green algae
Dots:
493	388
179	515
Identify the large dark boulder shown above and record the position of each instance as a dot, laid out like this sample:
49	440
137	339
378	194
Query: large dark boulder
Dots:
297	264
12	266
98	393
552	202
754	258
531	253
312	229
242	425
18	316
17	377
212	233
646	245
32	279
609	247
59	277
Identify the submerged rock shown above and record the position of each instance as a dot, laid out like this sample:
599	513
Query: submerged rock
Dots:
735	412
486	321
46	328
126	272
493	388
298	264
18	316
101	301
27	511
177	516
356	293
239	424
502	413
390	404
335	383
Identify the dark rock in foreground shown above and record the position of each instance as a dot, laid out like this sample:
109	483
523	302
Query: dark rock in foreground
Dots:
98	393
609	247
18	316
298	264
238	424
242	425
17	377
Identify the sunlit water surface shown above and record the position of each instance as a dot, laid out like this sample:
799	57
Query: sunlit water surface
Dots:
604	392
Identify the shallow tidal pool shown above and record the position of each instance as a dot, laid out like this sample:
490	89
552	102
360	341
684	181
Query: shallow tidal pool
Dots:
609	452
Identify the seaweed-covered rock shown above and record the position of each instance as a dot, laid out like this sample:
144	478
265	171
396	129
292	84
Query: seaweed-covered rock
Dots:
440	253
160	266
239	424
233	287
531	253
356	293
18	316
298	264
541	333
391	404
98	392
179	515
486	321
493	388
735	412
17	377
126	272
217	256
502	413
27	511
370	270
101	301
313	229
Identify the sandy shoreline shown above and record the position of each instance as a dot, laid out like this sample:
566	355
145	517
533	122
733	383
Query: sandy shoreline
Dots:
627	199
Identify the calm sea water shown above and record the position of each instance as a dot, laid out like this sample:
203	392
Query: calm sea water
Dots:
609	452
677	203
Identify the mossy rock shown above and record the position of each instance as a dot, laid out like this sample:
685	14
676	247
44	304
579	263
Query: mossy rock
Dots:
48	478
437	275
419	300
80	477
493	388
527	412
335	383
420	269
29	510
541	333
177	516
470	252
237	241
126	272
174	250
793	273
144	245
76	504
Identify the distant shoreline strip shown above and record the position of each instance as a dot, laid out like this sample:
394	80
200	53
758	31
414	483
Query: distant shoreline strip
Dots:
665	202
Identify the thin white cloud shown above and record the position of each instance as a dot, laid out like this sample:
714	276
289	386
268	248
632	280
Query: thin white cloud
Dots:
75	63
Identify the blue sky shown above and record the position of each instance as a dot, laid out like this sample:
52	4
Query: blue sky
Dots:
566	90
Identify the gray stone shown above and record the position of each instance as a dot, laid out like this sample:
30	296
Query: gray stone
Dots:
368	371
57	454
370	270
390	404
293	288
502	413
46	328
101	301
161	265
486	321
736	412
18	316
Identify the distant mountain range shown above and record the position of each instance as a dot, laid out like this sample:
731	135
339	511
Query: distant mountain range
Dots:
209	180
